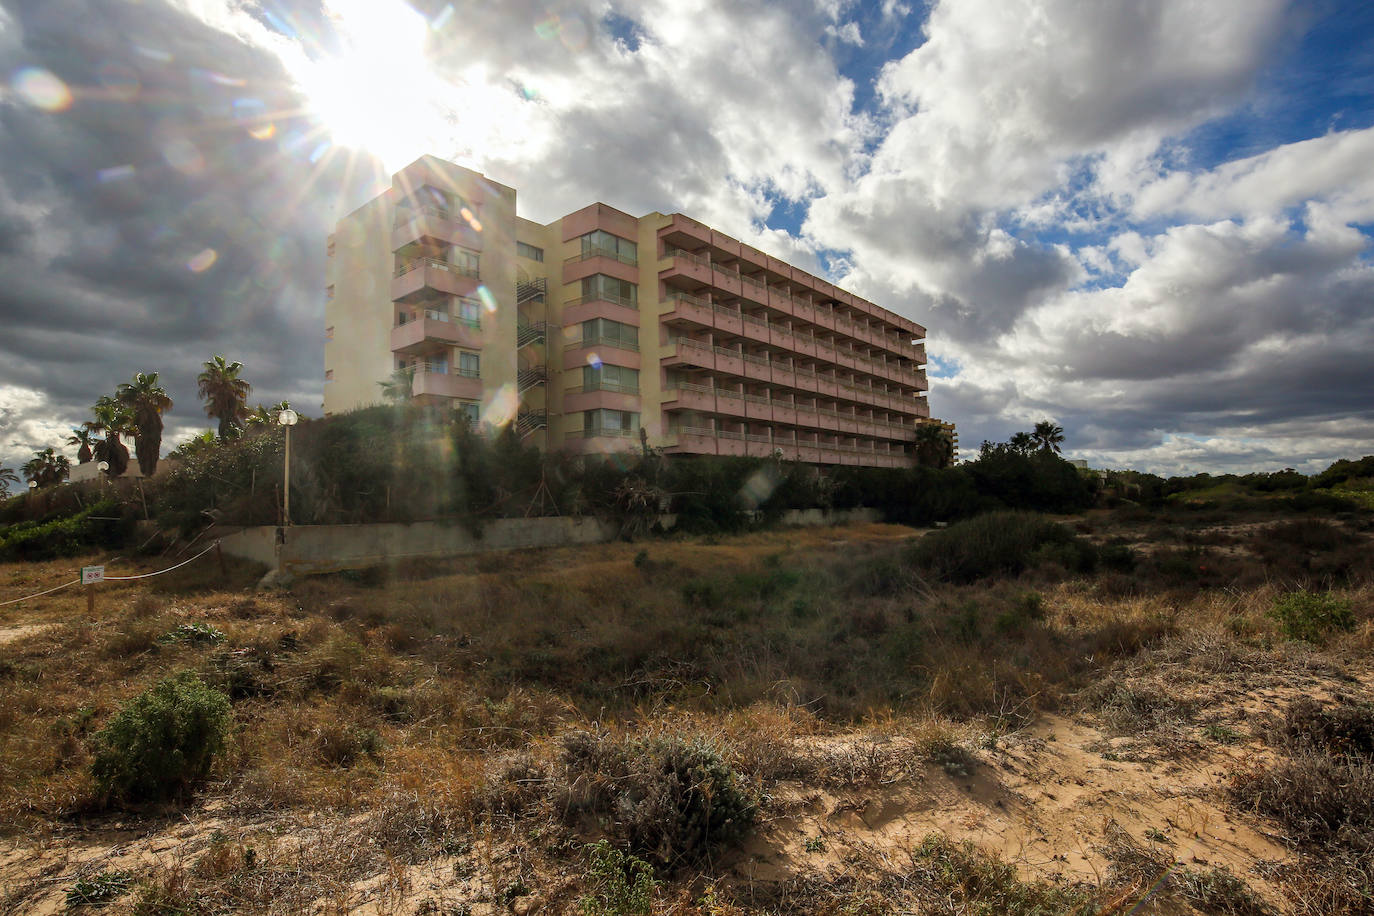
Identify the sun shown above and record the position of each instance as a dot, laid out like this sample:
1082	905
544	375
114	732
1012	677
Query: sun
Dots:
378	92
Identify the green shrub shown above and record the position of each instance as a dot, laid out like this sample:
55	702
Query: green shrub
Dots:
669	799
98	890
99	525
622	884
161	743
1000	544
1311	616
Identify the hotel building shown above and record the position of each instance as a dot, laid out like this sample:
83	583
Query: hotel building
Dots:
584	331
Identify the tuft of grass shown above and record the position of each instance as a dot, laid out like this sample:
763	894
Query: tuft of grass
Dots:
98	890
1312	616
622	885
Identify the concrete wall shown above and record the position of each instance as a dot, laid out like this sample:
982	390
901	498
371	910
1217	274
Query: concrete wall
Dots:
310	549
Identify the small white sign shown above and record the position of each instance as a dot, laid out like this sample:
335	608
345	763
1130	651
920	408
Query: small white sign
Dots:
90	574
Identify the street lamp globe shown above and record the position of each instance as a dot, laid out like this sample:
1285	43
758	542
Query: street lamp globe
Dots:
287	417
103	466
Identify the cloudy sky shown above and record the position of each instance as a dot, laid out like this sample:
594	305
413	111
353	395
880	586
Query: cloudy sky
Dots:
1149	220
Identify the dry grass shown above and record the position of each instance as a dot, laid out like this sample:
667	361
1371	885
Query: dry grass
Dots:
399	737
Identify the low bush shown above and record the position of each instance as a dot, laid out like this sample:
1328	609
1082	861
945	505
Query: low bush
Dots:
669	799
1345	730
161	743
622	885
99	525
1319	800
1312	616
1000	544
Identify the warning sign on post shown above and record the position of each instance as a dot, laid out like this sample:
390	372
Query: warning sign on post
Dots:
92	574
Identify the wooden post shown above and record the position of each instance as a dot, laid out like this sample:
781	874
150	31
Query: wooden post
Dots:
219	554
90	600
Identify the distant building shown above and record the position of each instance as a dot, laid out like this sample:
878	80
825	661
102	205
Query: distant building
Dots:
585	330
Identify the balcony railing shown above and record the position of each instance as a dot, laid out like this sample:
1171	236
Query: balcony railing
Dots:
599	341
605	297
440	315
416	263
671	252
678	295
426	365
596	252
600	385
597	432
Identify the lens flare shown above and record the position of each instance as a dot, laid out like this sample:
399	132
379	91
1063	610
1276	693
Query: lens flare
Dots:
472	221
499	407
120	81
759	487
114	173
594	361
488	300
263	131
42	89
182	155
441	20
203	261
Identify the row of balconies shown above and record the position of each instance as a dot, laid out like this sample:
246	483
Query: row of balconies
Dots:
704	441
681	309
726	403
734	364
801	311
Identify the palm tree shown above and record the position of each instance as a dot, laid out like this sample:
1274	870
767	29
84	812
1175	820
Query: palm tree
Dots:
1022	443
400	387
83	437
146	400
225	395
114	420
934	446
266	416
7	477
1048	436
196	445
47	467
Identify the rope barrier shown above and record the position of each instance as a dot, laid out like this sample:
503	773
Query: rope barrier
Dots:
113	578
41	594
161	571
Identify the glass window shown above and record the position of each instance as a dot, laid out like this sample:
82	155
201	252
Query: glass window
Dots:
464	260
604	244
611	289
609	421
610	378
469	311
469	364
471	411
329	292
613	333
529	251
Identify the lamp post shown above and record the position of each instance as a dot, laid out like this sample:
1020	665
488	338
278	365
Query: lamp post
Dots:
287	418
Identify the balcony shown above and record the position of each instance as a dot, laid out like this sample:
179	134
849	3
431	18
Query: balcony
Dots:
688	265
600	261
418	223
442	384
685	352
593	350
576	311
686	396
610	397
683	308
430	333
416	276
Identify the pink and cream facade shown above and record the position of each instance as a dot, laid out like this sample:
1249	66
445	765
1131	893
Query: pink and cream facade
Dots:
584	331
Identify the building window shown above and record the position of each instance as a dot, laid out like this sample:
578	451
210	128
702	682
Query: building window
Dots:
605	332
329	375
603	244
469	311
610	289
610	378
470	411
469	364
464	261
329	333
609	423
529	251
329	292
329	247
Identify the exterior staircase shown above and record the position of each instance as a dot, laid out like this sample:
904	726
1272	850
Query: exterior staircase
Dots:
527	421
525	379
531	332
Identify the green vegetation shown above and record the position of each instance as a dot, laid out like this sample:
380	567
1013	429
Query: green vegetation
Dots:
1304	615
162	743
621	884
99	525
